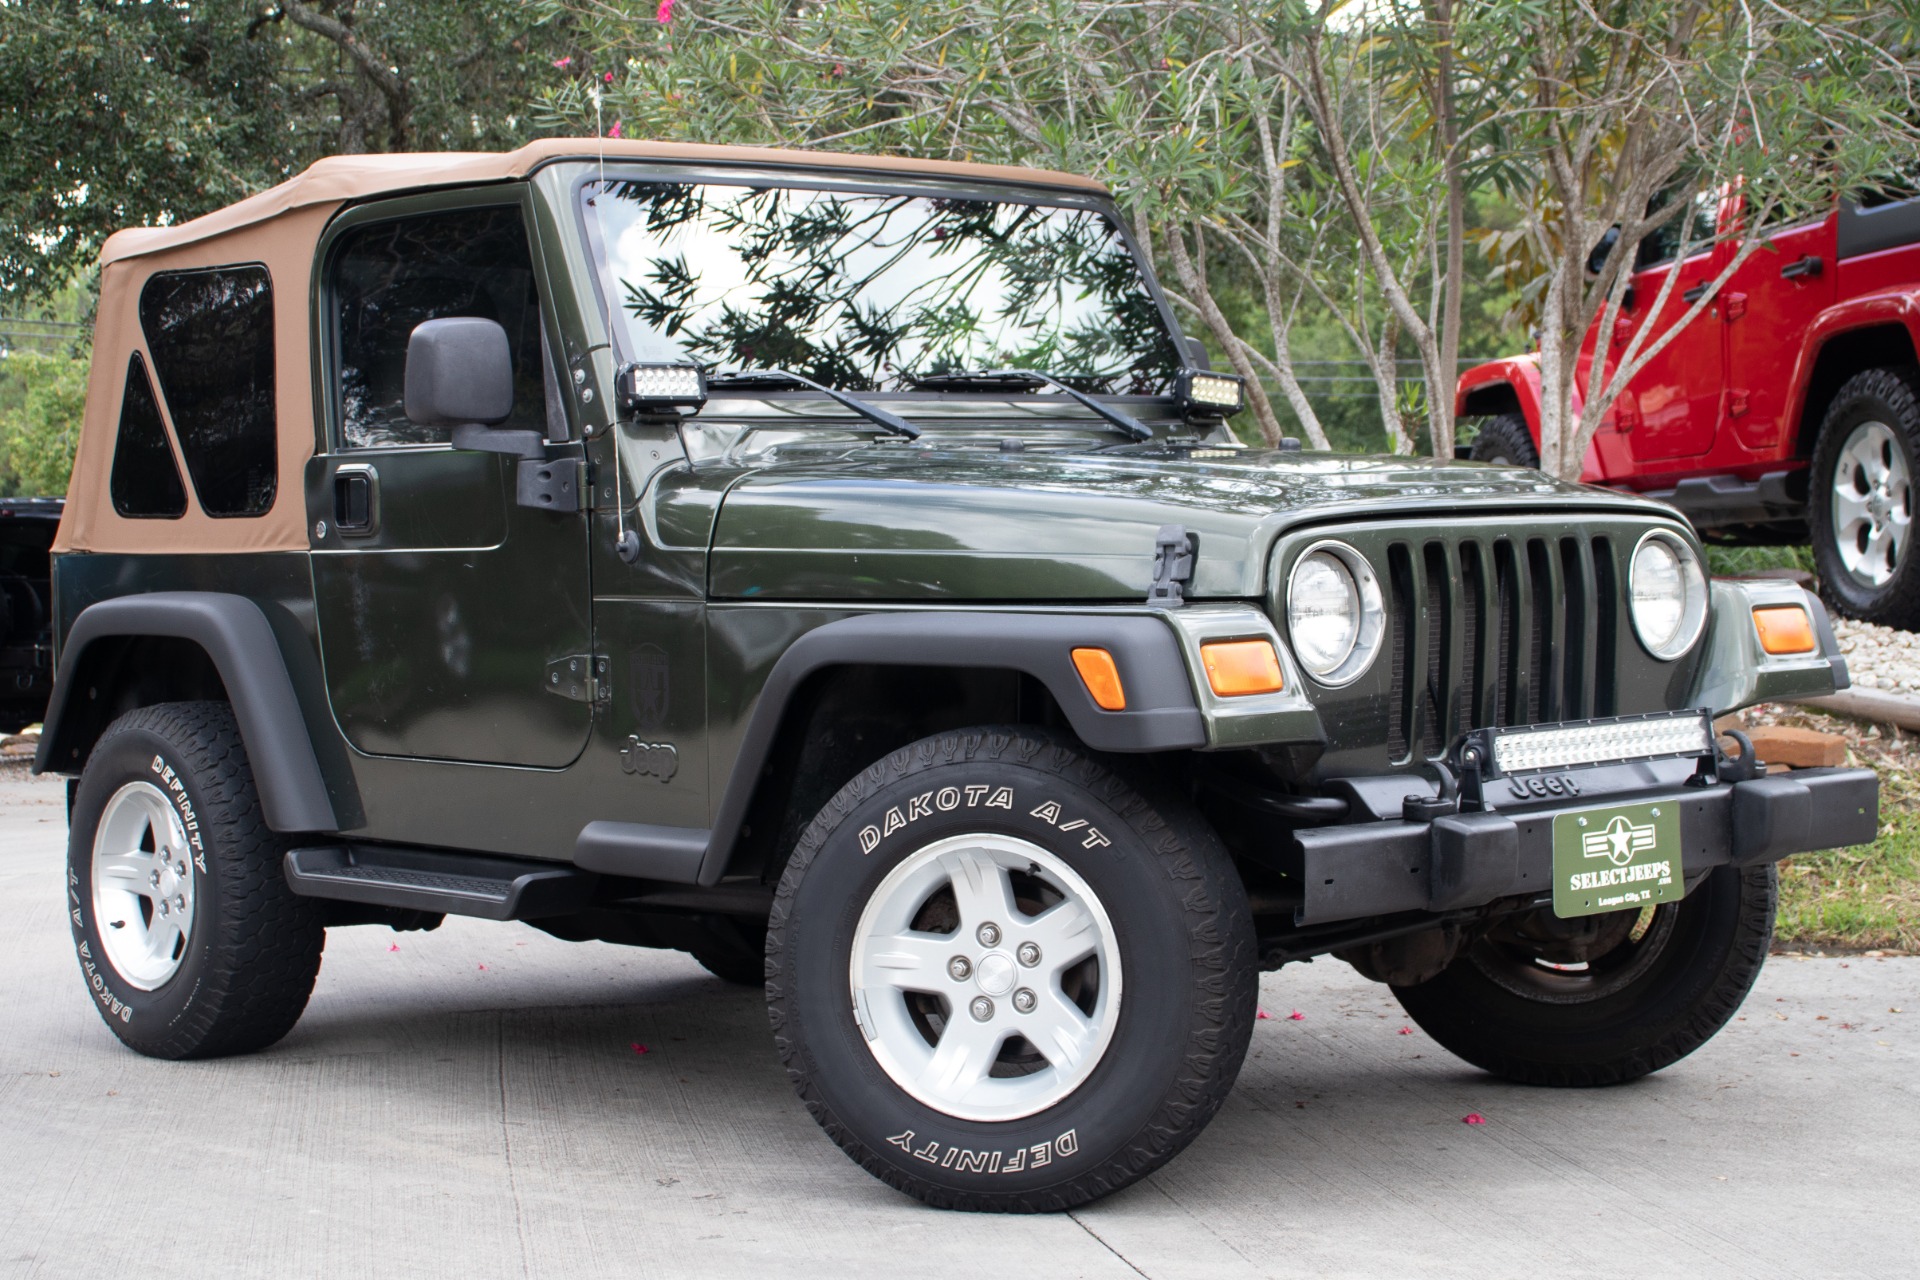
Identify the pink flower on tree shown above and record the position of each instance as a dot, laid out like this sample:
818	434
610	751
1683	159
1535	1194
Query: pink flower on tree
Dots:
563	63
615	131
664	13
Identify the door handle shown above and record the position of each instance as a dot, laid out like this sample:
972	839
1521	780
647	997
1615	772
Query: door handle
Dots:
356	500
1807	266
1694	294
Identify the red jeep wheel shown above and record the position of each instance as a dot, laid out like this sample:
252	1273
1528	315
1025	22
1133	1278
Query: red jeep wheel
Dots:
1861	508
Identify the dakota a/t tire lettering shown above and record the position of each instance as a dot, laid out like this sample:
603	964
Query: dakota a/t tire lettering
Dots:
1180	926
252	952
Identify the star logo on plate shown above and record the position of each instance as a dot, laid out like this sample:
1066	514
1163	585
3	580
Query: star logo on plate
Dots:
1618	841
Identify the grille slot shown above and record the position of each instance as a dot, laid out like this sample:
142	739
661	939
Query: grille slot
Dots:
1497	630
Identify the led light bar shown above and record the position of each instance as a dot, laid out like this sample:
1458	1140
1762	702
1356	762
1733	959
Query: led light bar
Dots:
661	386
1618	740
1214	393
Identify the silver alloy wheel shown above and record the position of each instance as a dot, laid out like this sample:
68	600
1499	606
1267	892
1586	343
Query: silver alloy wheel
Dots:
143	885
1005	1012
1872	504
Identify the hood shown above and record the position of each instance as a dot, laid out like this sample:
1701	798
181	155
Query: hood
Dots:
906	523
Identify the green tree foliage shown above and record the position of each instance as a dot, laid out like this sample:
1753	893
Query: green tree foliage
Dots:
117	113
1308	167
41	400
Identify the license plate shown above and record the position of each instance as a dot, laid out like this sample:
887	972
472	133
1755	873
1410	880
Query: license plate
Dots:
1616	858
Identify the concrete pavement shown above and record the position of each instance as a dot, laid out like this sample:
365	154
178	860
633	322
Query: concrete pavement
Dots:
473	1105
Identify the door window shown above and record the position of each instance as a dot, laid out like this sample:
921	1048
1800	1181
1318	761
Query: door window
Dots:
211	337
1698	226
389	277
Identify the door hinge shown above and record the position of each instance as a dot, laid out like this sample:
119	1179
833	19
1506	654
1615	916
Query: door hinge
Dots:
1734	305
580	678
1738	402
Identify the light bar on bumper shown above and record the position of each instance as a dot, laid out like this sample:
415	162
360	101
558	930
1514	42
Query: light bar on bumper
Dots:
1662	735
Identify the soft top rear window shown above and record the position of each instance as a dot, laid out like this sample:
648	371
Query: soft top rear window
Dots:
211	337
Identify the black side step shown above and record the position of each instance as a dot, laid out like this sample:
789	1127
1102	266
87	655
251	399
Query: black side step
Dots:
461	884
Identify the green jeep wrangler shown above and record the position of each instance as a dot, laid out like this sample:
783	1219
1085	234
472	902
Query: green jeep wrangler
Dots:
840	569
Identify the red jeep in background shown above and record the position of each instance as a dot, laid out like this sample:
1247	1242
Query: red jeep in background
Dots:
1788	412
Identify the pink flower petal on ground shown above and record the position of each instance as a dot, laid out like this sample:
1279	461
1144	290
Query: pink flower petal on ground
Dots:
640	1048
394	947
1473	1117
1262	1014
563	63
1404	1031
483	966
664	13
1296	1016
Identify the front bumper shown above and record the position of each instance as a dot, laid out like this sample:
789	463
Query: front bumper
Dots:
1468	859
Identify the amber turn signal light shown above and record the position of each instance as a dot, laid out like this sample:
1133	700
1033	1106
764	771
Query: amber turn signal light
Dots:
1236	668
1785	628
1101	677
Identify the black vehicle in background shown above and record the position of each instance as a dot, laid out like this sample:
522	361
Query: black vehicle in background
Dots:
27	527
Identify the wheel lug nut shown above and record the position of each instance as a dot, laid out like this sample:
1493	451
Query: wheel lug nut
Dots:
989	934
959	968
154	879
1024	1000
1029	954
164	908
180	901
981	1008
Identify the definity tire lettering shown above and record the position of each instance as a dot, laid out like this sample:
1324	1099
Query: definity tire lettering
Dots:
967	1160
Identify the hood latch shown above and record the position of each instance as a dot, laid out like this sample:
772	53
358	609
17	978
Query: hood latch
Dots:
1174	551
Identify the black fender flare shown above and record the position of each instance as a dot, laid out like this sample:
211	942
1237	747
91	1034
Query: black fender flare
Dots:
237	637
1161	712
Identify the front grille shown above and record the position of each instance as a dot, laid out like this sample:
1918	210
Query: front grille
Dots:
1488	630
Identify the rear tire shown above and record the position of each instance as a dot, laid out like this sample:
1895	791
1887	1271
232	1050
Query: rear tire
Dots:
1860	499
190	941
1002	979
1505	441
1662	990
735	952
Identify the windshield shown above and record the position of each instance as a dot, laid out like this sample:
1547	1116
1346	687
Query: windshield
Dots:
862	292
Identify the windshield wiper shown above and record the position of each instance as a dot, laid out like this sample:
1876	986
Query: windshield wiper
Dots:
786	378
1028	380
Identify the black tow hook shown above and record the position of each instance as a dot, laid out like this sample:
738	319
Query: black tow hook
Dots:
1721	767
1417	808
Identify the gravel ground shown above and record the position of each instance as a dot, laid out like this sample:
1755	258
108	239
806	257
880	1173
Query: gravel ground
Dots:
1880	657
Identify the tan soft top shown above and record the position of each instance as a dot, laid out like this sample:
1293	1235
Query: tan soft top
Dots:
339	179
280	229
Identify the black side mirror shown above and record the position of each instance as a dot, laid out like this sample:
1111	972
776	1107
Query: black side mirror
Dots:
460	373
1597	260
1197	354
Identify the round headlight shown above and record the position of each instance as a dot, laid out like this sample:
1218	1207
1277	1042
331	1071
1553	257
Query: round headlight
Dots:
1334	614
1669	595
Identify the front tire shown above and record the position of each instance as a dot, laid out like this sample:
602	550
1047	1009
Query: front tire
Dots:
1002	979
1652	987
1861	498
190	941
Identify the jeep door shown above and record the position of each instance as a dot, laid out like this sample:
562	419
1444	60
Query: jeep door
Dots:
1672	406
1767	303
443	606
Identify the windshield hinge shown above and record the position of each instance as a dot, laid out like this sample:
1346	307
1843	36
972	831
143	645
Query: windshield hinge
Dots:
1174	551
580	678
